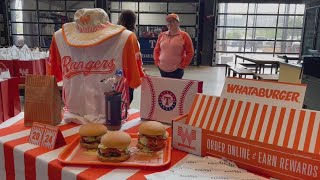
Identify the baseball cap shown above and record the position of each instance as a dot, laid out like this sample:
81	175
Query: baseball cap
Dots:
174	16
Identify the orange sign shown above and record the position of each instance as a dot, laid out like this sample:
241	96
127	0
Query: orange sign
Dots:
277	141
267	92
46	136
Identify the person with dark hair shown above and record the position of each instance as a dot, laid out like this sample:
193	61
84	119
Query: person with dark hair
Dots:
128	19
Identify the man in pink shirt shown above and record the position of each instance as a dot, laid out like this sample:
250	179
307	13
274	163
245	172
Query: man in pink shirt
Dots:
174	49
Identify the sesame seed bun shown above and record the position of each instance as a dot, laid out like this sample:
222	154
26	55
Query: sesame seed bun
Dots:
92	129
152	128
116	139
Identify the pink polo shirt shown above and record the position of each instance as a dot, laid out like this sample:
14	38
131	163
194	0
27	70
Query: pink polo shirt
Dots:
173	52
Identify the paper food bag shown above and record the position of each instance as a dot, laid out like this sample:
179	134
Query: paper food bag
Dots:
163	99
42	100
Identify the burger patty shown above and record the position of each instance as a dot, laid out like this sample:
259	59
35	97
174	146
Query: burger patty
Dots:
152	142
90	139
111	152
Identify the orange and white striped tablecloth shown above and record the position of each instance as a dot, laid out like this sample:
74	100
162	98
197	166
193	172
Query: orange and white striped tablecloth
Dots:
21	160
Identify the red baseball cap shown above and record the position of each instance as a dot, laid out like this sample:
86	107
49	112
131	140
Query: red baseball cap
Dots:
174	16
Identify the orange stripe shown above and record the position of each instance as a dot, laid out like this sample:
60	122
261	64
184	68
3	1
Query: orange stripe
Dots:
234	122
8	153
13	129
309	132
206	111
317	147
269	126
198	112
93	173
263	115
224	127
253	117
31	155
177	156
133	116
299	129
193	108
217	99
54	169
279	126
289	127
244	118
9	146
220	114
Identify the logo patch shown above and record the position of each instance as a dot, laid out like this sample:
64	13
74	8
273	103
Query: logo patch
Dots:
167	100
72	68
186	135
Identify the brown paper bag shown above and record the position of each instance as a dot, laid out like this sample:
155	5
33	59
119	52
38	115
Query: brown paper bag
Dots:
42	100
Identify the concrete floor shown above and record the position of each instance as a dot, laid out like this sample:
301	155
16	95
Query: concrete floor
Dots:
212	77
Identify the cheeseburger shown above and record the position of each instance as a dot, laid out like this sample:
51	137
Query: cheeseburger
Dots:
152	136
91	134
114	147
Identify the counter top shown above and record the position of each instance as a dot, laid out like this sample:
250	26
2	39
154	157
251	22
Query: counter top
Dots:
292	63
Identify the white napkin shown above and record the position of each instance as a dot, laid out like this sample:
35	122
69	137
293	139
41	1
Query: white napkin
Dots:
199	168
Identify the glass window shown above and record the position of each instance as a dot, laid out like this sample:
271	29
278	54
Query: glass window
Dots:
75	5
230	45
257	29
231	33
153	7
233	8
152	19
232	20
23	4
290	21
24	28
287	47
191	31
118	6
259	46
49	29
183	7
291	9
24	16
114	17
52	5
261	33
224	58
263	8
289	34
31	41
53	17
70	16
262	21
188	19
114	6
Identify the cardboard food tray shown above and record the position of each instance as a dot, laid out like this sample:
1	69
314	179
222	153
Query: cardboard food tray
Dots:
74	154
